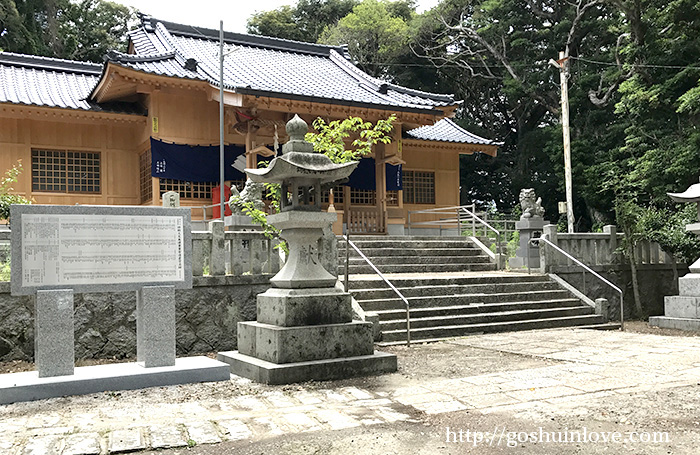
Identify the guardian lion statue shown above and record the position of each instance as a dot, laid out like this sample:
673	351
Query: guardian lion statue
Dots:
531	206
252	192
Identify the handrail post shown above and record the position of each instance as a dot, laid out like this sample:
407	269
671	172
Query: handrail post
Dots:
347	260
473	219
459	222
622	313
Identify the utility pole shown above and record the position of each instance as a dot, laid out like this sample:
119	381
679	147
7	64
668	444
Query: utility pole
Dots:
221	120
563	65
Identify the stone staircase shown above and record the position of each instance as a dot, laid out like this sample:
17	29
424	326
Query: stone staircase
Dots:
447	305
404	254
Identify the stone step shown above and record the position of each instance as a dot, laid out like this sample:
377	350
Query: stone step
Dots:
412	244
391	252
359	237
414	268
602	326
418	260
427	280
442	332
455	310
470	319
453	290
432	301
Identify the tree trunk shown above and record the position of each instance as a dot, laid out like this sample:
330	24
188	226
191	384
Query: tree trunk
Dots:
674	265
632	255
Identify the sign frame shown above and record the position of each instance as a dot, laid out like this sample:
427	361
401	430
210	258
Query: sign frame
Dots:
18	211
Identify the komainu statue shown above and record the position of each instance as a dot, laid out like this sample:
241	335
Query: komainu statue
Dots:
252	192
531	206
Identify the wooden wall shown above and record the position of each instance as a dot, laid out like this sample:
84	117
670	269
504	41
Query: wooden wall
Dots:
115	140
444	162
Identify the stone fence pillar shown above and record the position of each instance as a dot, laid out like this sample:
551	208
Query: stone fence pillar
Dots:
548	257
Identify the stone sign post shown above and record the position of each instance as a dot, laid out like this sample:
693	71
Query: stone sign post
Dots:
530	225
683	311
304	328
59	250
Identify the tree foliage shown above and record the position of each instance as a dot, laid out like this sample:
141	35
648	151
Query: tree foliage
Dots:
303	22
376	33
7	198
332	138
79	30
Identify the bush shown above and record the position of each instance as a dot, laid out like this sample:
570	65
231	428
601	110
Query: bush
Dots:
7	199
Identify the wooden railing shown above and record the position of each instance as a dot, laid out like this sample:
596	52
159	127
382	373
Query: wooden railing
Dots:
369	220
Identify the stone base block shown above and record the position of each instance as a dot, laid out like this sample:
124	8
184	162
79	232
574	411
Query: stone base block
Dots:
301	307
300	344
665	322
682	307
689	285
318	370
27	386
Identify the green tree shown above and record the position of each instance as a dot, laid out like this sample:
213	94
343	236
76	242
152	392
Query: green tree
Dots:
303	22
90	28
374	36
13	34
83	30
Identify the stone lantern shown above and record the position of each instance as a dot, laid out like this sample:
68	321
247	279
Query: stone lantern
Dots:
304	328
683	311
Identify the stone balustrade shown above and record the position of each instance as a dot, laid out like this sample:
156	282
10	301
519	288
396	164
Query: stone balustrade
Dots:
217	252
598	248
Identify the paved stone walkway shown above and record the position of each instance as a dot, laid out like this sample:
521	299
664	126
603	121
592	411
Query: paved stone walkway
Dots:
591	364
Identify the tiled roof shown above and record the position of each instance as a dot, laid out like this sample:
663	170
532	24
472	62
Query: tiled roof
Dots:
446	130
50	82
258	65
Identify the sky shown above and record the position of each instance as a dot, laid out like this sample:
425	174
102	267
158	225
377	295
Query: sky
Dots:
208	13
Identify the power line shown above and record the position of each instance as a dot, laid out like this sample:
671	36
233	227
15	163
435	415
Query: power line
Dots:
641	65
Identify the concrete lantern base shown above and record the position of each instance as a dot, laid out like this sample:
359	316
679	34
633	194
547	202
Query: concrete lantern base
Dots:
315	370
682	311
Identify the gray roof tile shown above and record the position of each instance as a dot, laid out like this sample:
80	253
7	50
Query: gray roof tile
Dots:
49	82
268	66
446	130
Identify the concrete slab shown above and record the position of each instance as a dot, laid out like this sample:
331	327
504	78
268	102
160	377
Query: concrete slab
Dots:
666	322
317	370
27	386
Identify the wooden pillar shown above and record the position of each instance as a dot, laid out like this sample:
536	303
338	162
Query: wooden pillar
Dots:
251	161
154	121
380	179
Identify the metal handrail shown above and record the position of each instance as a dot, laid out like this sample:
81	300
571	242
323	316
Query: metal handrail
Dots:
381	275
459	209
535	242
487	225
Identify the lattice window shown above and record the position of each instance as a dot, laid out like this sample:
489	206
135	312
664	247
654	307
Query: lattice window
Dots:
145	179
65	171
187	190
363	197
418	187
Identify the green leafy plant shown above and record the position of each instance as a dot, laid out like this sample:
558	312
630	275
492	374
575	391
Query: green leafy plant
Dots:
6	198
5	270
329	139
